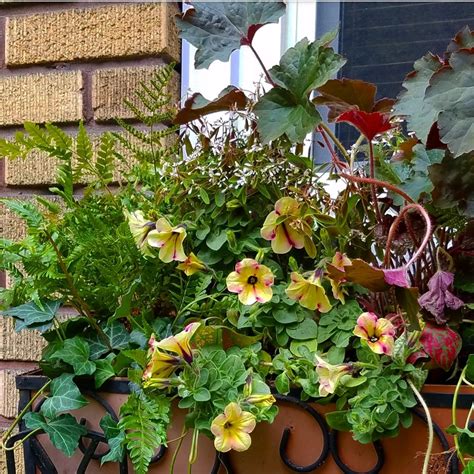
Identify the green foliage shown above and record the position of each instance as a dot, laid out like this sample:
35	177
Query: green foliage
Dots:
217	29
33	316
144	419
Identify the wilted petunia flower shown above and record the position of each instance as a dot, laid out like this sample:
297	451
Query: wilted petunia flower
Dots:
191	265
231	429
439	297
308	292
140	228
252	281
169	240
285	228
378	332
330	375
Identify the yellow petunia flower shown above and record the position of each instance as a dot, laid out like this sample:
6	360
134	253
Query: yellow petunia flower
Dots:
139	228
308	292
252	281
330	375
191	265
160	367
378	332
231	429
180	343
169	240
339	261
285	227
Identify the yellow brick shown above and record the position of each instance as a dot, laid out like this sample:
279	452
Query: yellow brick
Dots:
11	226
38	168
8	392
24	345
110	87
55	97
19	460
143	29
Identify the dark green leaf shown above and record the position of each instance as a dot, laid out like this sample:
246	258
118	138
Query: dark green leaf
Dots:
30	313
75	352
303	331
104	370
64	396
337	420
117	334
115	438
218	28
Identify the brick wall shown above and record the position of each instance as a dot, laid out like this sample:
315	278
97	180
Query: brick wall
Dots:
61	63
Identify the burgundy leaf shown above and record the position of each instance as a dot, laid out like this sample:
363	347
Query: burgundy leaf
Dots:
438	298
368	123
441	343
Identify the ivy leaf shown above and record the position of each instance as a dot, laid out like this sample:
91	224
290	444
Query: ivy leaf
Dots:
115	438
218	28
197	105
63	431
75	352
117	334
441	343
65	396
31	314
410	102
104	370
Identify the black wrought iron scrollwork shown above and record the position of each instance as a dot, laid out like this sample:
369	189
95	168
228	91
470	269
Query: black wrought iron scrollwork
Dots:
36	457
287	433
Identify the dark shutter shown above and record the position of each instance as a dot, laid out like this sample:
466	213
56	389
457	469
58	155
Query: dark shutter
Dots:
382	40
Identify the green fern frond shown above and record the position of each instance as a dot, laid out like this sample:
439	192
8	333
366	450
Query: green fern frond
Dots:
105	158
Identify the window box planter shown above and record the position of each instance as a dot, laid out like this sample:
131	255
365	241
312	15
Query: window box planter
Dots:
299	435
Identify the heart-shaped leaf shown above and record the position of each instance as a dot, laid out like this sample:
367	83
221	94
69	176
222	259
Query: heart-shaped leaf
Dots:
197	105
441	343
218	28
76	352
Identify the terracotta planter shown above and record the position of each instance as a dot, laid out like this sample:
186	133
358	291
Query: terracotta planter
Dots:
298	440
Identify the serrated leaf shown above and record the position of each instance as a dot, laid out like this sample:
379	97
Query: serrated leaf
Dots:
63	431
410	102
279	112
64	396
31	314
218	28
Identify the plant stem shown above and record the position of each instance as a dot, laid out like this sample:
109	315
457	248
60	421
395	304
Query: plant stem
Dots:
429	421
17	420
337	162
335	141
265	70
20	441
373	189
178	447
82	305
396	223
453	415
378	182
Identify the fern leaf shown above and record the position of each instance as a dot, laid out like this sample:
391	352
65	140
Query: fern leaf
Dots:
105	158
26	210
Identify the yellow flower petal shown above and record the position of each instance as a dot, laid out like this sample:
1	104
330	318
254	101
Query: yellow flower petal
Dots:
191	265
263	293
180	343
287	206
308	292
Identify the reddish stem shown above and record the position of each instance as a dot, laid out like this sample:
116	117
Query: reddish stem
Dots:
265	70
378	182
337	162
394	227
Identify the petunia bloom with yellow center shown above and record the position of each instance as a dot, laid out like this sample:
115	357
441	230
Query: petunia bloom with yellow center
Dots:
286	228
330	375
191	265
169	240
308	292
252	281
378	332
231	429
180	343
139	228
